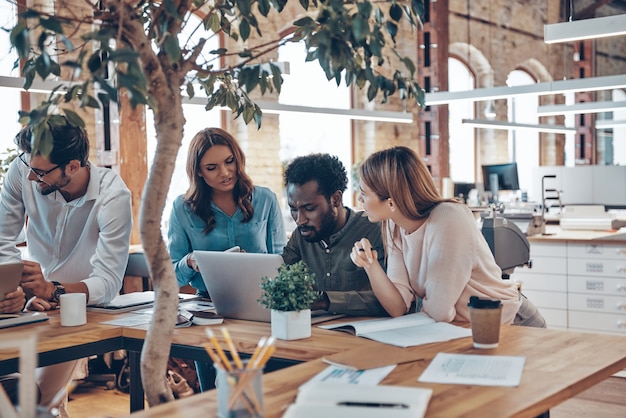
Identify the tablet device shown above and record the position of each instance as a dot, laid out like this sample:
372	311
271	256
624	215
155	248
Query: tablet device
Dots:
10	277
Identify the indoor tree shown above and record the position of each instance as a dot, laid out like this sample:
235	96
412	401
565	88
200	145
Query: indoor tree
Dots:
110	47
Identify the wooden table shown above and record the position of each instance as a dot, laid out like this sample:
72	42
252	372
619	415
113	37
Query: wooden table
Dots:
188	343
57	344
559	365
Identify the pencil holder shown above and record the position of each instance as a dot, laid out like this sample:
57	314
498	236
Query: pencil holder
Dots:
239	392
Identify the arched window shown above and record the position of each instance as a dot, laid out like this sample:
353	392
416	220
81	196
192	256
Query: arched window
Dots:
305	133
523	144
616	137
197	118
462	141
10	96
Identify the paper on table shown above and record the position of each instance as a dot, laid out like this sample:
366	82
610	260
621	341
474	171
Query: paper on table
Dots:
130	320
474	369
364	358
337	374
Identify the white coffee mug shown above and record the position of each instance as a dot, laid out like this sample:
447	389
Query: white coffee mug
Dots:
73	309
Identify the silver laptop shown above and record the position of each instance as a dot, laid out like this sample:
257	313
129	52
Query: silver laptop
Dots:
232	280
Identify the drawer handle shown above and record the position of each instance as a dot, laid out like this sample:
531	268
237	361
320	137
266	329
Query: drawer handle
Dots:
621	269
621	287
621	324
621	305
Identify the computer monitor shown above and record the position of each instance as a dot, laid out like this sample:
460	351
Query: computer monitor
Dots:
461	190
498	177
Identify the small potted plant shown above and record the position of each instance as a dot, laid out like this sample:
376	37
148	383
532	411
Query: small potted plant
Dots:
289	297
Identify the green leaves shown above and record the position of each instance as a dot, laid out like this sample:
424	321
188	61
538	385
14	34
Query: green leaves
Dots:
20	39
351	41
291	290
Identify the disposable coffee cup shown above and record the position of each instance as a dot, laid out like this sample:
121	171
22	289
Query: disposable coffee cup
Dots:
73	309
485	319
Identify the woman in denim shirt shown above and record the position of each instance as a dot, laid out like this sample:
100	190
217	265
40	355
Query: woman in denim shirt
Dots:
221	208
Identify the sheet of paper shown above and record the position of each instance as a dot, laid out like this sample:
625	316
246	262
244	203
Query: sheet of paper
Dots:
335	374
130	320
474	369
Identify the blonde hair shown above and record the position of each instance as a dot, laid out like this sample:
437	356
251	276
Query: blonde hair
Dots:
400	174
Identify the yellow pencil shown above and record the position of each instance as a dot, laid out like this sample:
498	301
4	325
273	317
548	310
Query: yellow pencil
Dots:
263	356
256	352
233	350
268	353
218	348
214	358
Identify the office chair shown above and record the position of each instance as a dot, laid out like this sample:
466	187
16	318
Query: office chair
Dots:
137	266
507	243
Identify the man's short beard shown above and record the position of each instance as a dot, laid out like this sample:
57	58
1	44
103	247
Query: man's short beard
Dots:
326	228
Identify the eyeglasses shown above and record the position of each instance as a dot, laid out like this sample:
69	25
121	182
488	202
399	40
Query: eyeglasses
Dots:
38	173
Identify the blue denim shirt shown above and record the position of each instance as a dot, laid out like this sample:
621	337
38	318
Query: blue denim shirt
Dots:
264	233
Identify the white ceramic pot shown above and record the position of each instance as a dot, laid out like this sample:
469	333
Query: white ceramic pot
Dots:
292	325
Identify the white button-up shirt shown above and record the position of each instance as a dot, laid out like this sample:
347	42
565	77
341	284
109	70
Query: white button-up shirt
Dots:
85	240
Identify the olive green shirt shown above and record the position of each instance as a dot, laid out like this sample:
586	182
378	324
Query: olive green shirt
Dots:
346	285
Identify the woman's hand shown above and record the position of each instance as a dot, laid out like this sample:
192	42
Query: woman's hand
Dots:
363	255
13	301
191	262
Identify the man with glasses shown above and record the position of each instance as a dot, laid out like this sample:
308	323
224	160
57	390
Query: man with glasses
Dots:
78	221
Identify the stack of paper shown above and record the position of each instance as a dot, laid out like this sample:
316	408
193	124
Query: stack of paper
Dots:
338	400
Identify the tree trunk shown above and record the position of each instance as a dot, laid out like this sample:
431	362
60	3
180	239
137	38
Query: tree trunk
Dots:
169	121
164	80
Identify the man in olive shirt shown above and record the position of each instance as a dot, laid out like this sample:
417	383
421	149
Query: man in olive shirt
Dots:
325	234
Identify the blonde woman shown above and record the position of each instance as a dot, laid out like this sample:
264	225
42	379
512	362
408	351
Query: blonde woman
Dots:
436	255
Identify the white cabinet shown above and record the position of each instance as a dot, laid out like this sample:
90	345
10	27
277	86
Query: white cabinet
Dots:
578	285
596	280
545	284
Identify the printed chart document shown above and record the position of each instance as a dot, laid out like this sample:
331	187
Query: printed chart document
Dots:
337	374
403	331
474	369
337	400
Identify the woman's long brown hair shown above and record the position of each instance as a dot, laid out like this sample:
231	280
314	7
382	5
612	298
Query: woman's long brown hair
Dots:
199	195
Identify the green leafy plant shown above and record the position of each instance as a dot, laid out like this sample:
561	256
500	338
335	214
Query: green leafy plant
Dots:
291	290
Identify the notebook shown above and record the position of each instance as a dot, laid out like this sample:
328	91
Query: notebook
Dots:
232	280
133	301
10	276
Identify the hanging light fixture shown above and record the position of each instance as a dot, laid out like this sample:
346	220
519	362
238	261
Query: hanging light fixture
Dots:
490	110
598	27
